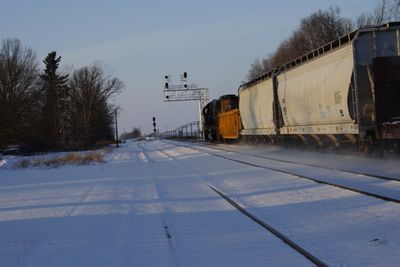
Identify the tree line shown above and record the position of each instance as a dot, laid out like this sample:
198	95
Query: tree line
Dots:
135	133
319	28
49	110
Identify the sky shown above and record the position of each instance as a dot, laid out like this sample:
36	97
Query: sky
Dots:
140	42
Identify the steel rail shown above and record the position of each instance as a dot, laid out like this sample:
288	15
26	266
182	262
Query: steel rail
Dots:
386	198
262	223
310	165
271	229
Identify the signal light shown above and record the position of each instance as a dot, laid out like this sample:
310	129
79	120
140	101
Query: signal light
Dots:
166	77
185	85
185	75
166	85
154	118
167	96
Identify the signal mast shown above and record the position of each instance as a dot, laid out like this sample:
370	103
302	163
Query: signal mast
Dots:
185	92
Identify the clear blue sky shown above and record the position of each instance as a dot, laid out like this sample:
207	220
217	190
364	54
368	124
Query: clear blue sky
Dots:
141	41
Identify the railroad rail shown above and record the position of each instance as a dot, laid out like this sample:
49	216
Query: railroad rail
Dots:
318	262
309	165
270	229
320	181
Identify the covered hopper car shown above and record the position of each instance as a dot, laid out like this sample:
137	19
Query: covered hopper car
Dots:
347	91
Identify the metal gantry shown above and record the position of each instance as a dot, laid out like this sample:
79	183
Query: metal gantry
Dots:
185	92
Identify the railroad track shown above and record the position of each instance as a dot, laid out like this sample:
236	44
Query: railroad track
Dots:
269	228
309	165
299	249
293	243
387	197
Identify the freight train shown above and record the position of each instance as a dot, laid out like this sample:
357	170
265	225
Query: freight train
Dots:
345	92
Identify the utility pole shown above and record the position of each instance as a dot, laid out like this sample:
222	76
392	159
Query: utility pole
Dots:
116	127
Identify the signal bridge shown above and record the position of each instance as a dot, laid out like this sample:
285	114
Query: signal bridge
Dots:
185	92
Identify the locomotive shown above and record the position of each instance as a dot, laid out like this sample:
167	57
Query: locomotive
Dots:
345	92
221	119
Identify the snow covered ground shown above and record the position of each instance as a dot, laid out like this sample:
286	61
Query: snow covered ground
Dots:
150	205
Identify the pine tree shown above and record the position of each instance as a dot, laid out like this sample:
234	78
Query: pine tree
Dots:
56	104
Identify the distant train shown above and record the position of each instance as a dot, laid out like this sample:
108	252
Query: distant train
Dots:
347	91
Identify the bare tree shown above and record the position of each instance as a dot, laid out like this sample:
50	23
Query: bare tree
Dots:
19	91
92	90
135	133
256	69
319	28
283	54
385	11
323	27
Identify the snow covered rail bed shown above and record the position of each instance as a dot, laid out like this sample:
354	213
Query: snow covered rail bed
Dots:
322	181
369	185
358	172
340	227
240	208
150	204
268	227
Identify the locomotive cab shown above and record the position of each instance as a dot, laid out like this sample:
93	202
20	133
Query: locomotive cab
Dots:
210	121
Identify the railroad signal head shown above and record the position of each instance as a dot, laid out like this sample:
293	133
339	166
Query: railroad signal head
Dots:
154	124
166	86
154	118
185	75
